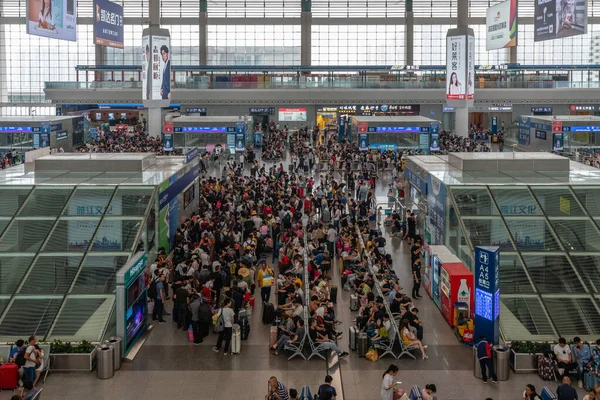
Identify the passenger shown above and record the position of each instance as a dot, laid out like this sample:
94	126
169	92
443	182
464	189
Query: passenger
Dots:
277	390
409	339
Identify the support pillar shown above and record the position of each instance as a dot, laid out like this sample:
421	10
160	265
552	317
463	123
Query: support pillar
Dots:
305	37
154	12
409	44
99	60
203	49
512	55
461	121
155	122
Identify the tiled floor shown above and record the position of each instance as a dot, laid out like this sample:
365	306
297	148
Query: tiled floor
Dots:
170	367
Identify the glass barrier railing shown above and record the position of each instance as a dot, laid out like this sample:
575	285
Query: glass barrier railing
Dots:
324	84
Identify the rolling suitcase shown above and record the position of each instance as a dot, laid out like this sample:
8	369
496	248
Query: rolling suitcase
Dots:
352	337
9	376
363	344
590	380
267	316
273	336
244	325
333	294
353	302
547	394
236	342
415	393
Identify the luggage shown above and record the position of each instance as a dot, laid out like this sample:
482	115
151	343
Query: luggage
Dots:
415	393
273	336
190	333
244	323
268	313
333	294
9	376
363	344
236	342
353	302
352	337
547	394
590	380
546	368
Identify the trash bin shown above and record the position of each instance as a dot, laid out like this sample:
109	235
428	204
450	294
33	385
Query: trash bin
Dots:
105	361
118	353
476	365
501	361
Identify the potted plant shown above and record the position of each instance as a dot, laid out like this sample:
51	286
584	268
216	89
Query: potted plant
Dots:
66	356
523	355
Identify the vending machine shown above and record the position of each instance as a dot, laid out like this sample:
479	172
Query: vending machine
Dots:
427	270
456	285
437	261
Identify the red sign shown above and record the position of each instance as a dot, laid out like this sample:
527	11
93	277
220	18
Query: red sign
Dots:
168	127
557	126
363	127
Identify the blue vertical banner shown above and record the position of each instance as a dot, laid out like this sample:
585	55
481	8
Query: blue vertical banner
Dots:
494	125
258	136
487	293
363	141
434	136
341	129
435	226
45	127
424	142
524	130
168	142
240	136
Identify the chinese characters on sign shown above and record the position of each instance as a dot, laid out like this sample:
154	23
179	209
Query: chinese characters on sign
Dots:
487	293
93	210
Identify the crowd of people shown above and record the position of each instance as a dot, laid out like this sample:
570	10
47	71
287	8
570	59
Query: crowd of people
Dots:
125	141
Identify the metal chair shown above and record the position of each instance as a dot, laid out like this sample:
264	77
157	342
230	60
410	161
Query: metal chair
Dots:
387	345
296	348
315	349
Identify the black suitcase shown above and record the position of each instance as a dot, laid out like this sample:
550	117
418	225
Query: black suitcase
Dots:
268	313
333	294
363	344
244	328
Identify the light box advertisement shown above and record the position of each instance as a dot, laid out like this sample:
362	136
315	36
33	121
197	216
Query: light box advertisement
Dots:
554	19
90	208
108	24
456	68
501	25
487	293
292	114
56	19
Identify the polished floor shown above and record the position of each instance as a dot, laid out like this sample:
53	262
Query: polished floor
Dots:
169	366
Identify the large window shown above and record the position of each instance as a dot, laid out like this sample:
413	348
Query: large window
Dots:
254	45
430	44
357	45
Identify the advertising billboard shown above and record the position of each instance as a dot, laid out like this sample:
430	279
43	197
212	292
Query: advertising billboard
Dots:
556	19
456	68
156	67
501	25
56	19
292	114
470	67
108	24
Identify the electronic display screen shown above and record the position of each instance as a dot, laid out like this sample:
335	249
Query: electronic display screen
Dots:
204	129
497	304
111	116
398	129
136	303
483	304
189	196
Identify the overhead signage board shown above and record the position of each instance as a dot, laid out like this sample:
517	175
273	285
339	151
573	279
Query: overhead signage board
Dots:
487	293
292	114
108	24
501	25
55	19
554	19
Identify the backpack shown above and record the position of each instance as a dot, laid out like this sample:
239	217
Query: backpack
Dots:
220	325
20	358
152	289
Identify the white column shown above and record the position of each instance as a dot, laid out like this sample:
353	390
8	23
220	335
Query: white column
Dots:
155	122
461	123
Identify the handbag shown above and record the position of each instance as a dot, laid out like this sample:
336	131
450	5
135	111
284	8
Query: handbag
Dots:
372	354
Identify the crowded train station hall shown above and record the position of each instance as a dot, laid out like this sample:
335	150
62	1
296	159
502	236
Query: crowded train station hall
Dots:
300	200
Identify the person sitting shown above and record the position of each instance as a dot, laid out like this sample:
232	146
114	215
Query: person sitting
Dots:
414	322
583	356
322	341
564	357
28	392
327	391
566	391
409	339
380	333
284	339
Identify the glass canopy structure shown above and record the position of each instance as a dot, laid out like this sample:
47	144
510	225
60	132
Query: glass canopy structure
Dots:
547	225
63	237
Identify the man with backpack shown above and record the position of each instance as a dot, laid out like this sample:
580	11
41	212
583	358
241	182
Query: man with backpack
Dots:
31	360
484	350
17	356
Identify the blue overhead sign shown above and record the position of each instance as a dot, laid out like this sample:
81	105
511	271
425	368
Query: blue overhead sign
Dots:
202	129
191	154
487	293
399	129
45	127
416	181
587	128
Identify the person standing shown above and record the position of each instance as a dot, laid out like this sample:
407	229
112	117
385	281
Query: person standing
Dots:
31	361
195	309
389	386
265	287
227	316
159	298
484	350
326	390
416	272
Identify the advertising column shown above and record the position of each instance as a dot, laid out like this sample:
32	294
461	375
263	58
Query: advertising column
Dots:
460	75
557	136
434	136
487	293
363	136
240	136
156	75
